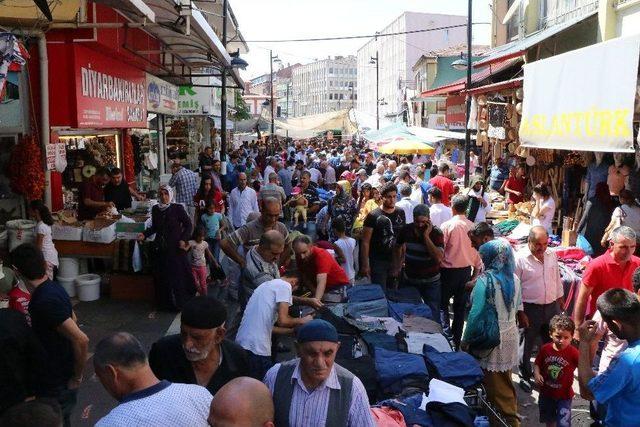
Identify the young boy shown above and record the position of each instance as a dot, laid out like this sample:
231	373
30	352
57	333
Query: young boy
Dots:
347	246
553	371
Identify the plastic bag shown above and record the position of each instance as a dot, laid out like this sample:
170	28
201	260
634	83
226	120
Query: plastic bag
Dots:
136	258
584	244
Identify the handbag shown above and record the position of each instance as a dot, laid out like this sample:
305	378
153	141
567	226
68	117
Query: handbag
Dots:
483	331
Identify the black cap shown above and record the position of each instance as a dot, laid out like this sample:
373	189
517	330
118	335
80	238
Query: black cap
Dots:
203	313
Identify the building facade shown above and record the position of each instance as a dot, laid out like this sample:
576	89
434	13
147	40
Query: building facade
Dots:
323	86
397	55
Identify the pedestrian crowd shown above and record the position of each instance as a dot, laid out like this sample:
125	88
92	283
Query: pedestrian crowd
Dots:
255	254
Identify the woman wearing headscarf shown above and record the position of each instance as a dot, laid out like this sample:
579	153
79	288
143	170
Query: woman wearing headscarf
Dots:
367	202
596	216
342	205
172	227
498	282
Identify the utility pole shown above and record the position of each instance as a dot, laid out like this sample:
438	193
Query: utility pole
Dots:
223	85
467	134
375	59
271	93
287	106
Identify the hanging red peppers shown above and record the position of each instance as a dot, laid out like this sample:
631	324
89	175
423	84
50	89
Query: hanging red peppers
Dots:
26	171
129	164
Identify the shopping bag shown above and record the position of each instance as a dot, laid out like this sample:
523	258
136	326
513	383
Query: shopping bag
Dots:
136	258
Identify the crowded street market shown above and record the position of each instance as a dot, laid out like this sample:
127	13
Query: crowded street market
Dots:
183	246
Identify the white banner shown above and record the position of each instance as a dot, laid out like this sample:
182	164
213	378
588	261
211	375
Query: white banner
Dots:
582	100
162	97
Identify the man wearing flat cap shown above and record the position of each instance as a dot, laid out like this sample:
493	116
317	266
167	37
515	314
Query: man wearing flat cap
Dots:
200	354
304	389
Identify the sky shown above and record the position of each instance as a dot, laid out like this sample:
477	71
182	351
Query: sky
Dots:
287	19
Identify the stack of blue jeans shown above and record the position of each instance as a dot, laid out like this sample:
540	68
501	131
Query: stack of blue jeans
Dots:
456	367
396	370
398	309
363	293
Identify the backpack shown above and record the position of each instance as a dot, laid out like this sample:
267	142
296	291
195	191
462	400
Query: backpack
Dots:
483	332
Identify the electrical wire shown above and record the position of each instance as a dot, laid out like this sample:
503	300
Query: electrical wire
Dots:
317	39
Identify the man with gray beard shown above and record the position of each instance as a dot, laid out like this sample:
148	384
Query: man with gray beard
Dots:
200	354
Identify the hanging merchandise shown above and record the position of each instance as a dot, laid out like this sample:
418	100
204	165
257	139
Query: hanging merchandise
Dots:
497	115
12	57
26	170
129	164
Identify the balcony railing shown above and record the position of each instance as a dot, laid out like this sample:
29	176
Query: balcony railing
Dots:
563	13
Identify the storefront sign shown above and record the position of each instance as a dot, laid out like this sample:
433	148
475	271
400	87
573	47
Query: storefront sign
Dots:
162	97
109	93
436	121
456	111
583	99
195	101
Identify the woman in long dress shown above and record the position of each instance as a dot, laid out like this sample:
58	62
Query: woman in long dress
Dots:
499	279
172	226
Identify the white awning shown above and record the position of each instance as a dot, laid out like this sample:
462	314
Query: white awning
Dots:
190	46
582	100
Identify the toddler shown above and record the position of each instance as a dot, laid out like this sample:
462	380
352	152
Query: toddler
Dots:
199	253
300	204
553	371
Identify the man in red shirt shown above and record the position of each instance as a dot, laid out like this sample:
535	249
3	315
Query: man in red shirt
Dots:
317	269
443	182
91	201
515	185
613	269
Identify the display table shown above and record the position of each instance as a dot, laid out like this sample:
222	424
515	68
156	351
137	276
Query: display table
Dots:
67	248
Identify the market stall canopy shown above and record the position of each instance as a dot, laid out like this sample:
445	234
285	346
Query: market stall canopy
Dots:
593	102
404	145
186	31
518	48
400	134
435	133
312	125
477	77
367	122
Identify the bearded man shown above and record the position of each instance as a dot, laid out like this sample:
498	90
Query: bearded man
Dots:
200	354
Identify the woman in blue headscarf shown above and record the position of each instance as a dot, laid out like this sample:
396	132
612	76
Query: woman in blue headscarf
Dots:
498	279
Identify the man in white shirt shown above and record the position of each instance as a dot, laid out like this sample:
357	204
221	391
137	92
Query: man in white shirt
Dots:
268	306
440	213
242	201
316	175
329	175
121	366
405	203
374	179
272	167
542	294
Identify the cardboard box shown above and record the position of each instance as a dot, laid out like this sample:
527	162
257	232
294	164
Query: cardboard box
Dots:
569	238
92	232
66	232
